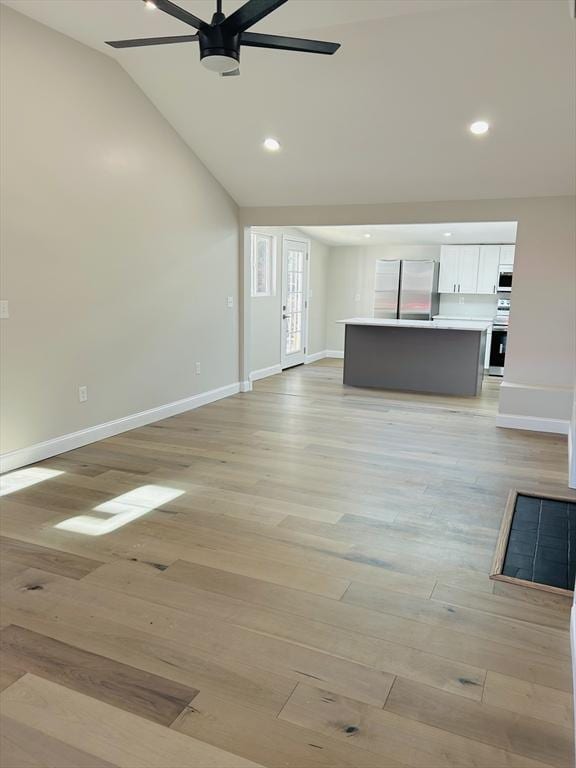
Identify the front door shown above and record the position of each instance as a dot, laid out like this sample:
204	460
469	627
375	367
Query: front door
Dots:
294	302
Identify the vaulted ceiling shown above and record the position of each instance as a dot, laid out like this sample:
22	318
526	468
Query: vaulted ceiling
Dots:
384	119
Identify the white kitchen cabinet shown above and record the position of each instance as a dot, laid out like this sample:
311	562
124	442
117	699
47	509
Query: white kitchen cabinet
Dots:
468	268
488	269
507	255
459	268
449	263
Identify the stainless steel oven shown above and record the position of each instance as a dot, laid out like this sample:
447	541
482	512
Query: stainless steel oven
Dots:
504	278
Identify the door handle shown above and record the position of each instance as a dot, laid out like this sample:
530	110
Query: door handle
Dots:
454	289
285	317
458	287
493	289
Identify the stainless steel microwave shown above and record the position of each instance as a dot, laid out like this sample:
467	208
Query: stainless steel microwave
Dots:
504	278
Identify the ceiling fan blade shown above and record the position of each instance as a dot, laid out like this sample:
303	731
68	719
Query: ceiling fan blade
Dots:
179	13
248	14
256	40
152	41
233	73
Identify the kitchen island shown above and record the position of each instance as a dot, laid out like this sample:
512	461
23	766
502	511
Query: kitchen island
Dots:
438	356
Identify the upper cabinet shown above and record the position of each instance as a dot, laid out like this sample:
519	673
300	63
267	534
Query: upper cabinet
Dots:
468	268
472	268
449	263
488	269
459	268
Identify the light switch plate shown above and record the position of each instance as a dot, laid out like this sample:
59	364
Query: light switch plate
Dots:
4	311
230	302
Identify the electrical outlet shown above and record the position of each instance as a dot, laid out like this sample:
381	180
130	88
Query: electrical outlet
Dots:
357	297
4	313
82	394
230	302
197	369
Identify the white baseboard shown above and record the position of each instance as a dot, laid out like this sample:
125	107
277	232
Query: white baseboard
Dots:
335	353
263	373
246	386
33	453
315	356
533	423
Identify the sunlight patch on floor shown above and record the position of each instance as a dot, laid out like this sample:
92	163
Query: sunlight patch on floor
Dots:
24	478
121	510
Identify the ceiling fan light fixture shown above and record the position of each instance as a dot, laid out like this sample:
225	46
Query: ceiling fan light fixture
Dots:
217	62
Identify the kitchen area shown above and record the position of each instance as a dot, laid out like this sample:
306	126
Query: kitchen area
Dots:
430	305
410	345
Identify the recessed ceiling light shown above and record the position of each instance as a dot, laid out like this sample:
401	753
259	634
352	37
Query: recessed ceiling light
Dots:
447	234
367	234
479	128
272	145
150	4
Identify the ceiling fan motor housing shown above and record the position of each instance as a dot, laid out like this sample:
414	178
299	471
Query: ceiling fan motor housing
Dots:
222	48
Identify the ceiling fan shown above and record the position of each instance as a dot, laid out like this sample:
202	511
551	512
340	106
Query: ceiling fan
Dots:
220	40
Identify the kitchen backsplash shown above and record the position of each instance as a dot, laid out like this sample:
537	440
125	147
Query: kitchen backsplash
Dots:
465	305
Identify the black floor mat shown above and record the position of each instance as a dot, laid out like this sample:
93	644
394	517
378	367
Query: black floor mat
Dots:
542	542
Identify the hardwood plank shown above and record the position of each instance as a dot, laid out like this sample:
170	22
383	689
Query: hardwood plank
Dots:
225	644
391	658
24	747
270	741
551	642
46	559
391	736
500	606
522	735
560	603
483	654
268	571
10	569
229	677
134	690
536	701
115	736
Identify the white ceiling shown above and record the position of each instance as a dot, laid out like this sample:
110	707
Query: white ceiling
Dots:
416	234
382	120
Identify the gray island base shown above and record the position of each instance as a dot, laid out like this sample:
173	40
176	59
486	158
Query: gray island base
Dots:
440	357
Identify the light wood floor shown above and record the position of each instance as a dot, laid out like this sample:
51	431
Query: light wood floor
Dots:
316	596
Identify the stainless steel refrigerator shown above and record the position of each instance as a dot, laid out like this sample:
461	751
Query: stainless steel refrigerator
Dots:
406	290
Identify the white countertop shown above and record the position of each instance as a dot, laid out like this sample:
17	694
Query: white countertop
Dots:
438	325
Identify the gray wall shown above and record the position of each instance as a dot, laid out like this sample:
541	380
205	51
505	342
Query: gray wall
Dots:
119	246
